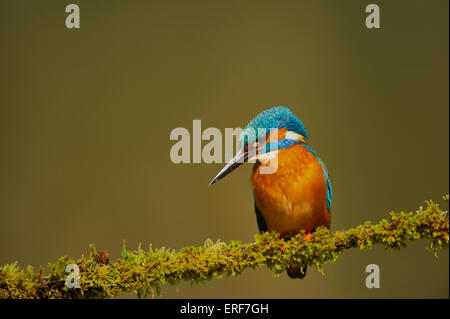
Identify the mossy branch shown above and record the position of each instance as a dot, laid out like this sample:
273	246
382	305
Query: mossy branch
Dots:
145	272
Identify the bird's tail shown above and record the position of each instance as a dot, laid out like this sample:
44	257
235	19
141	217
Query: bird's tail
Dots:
297	272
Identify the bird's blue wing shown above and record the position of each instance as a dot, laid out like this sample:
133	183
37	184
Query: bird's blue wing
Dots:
327	177
260	219
329	188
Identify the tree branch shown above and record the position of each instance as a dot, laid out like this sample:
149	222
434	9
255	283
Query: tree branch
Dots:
145	272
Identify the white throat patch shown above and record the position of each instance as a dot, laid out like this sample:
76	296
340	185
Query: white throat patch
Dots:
290	135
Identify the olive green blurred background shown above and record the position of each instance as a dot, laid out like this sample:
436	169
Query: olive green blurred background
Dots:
86	116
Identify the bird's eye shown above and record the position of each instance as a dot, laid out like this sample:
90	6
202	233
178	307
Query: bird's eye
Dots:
262	136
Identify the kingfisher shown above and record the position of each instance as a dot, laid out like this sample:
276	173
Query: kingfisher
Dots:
291	186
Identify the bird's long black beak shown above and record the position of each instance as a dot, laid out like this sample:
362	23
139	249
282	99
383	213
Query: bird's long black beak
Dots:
240	158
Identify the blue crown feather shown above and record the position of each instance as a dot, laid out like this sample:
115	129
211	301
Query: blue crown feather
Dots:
274	118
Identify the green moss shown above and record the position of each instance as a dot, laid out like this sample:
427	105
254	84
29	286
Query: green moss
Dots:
144	272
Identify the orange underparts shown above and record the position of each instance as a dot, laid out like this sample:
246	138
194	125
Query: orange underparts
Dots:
294	196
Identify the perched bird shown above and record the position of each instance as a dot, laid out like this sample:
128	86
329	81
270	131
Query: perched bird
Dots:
291	187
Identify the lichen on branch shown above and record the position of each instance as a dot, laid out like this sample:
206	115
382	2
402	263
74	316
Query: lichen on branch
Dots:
144	272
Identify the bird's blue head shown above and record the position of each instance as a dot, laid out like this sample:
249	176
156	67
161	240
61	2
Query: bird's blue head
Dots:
255	136
275	118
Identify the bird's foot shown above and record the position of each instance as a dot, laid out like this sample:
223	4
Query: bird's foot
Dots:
282	248
308	237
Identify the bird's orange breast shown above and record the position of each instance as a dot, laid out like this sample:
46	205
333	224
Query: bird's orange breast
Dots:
294	197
